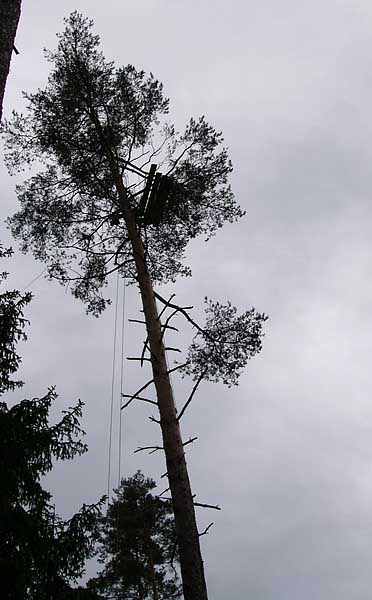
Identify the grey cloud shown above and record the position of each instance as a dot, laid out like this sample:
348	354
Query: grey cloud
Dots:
288	454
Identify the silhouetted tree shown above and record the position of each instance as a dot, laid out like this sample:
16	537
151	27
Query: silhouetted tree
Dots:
40	553
100	204
10	11
137	542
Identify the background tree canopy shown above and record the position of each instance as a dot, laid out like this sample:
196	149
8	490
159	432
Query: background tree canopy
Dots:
137	542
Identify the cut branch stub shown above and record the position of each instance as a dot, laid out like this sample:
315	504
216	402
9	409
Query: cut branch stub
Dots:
202	505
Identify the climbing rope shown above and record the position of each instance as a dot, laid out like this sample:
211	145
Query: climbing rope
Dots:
112	395
112	391
121	382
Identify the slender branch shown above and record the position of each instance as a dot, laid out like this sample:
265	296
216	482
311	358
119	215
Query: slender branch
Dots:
181	309
173	349
145	344
198	382
176	161
118	250
200	504
165	307
190	441
206	530
140	398
137	393
137	321
165	326
140	358
152	448
178	367
154	420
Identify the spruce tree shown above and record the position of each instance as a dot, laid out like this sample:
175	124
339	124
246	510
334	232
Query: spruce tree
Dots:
40	553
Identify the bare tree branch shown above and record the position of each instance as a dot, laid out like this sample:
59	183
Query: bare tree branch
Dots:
198	382
181	309
137	393
152	448
206	530
164	492
165	307
216	507
140	358
137	321
145	344
166	326
140	398
154	420
178	367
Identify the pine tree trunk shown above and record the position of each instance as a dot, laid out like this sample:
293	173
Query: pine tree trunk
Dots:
10	11
192	570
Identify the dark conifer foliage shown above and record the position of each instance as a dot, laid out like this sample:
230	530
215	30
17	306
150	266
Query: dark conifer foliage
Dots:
12	329
93	119
40	553
221	349
137	545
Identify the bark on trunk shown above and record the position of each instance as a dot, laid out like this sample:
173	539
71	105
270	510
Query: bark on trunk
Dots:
10	11
192	570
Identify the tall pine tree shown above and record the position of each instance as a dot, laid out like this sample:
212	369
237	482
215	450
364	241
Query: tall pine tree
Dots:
121	190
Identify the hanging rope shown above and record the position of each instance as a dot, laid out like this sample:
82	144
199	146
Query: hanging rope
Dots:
34	279
112	391
121	382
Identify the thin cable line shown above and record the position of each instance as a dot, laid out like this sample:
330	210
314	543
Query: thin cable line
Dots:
34	279
121	381
112	391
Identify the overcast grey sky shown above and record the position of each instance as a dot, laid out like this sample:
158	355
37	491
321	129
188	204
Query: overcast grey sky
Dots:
287	454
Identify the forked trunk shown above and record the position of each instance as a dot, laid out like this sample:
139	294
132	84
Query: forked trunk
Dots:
192	570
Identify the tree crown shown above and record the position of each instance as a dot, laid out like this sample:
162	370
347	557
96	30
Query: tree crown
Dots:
89	125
